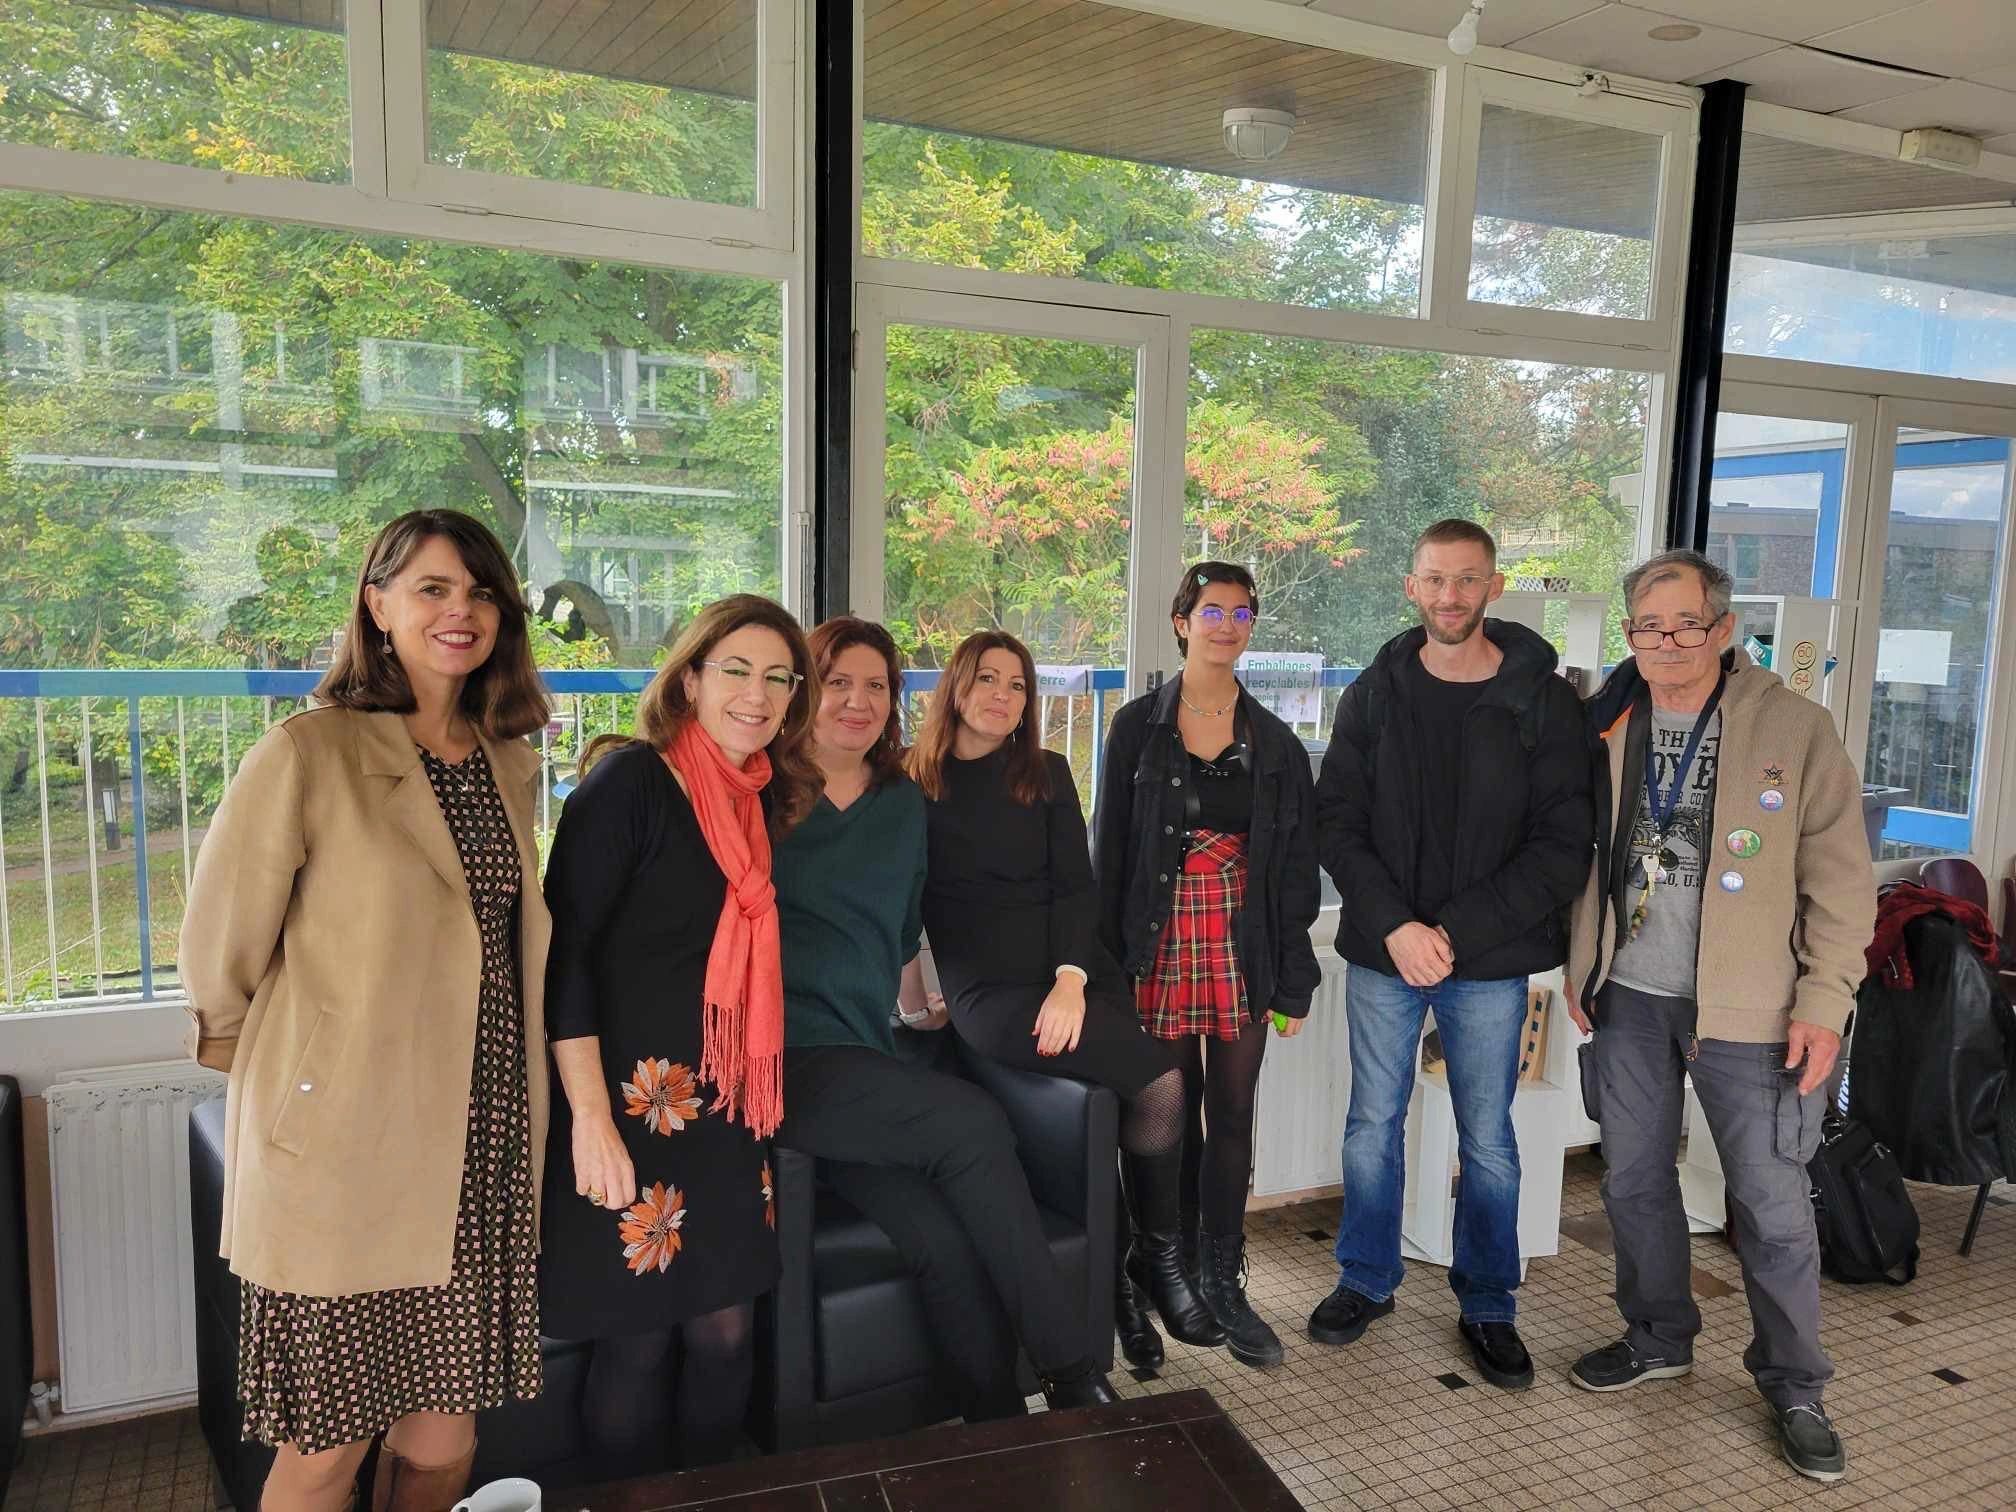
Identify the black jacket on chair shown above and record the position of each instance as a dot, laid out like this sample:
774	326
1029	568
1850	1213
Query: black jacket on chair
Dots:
1141	829
1526	818
1932	1066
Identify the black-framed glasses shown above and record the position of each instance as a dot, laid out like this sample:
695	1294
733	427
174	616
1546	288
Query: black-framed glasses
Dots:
1687	637
777	683
1214	616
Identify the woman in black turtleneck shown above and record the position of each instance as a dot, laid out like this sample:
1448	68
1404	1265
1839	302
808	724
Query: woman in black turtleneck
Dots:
1012	915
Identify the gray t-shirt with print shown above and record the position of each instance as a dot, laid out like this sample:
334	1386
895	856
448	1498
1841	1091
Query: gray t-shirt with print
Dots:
1662	956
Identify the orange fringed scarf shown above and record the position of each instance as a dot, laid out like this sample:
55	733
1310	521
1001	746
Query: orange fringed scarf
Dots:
742	1016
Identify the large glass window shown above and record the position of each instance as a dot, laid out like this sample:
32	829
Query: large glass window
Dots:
1866	262
1949	507
1778	495
203	419
1566	213
1317	464
1087	141
654	98
218	83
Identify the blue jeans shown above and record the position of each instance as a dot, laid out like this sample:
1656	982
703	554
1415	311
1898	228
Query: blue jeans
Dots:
1480	1024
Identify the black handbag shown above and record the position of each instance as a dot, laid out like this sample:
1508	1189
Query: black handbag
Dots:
1868	1227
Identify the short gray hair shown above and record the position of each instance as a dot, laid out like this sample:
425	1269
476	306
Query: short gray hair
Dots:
1716	585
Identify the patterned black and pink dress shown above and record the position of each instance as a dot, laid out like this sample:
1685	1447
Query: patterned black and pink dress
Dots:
317	1372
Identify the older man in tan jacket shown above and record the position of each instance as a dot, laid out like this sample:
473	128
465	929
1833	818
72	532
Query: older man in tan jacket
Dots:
1721	936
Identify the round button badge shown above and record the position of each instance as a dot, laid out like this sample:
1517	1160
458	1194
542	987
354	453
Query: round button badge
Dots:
1732	881
1771	800
1744	843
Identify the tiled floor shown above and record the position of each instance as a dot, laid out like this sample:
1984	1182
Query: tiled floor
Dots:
1399	1419
1925	1397
155	1464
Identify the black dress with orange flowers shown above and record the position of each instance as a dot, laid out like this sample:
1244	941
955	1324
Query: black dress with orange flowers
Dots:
635	896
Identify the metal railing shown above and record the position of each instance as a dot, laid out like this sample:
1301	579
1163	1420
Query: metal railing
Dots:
109	780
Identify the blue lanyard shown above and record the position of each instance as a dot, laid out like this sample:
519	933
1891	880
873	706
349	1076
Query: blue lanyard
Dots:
1663	805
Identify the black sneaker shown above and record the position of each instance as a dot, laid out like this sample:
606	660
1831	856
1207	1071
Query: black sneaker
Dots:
1809	1443
1616	1366
1344	1315
1499	1355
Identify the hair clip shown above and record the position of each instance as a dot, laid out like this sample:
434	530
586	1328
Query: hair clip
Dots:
1202	580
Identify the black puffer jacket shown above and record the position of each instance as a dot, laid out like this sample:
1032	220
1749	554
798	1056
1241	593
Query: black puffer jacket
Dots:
1525	816
1139	834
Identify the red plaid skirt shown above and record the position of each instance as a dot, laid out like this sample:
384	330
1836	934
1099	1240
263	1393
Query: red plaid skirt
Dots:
1194	986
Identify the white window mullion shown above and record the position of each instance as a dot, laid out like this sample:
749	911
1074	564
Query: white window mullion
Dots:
365	33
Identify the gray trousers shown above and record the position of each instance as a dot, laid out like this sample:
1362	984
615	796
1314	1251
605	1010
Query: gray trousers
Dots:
1765	1133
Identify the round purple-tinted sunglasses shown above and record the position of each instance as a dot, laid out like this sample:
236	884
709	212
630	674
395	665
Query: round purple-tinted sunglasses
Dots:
1214	616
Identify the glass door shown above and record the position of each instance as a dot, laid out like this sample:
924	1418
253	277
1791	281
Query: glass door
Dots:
1008	476
1789	491
1934	631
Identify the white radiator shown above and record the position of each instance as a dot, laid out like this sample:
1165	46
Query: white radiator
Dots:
125	1277
1305	1090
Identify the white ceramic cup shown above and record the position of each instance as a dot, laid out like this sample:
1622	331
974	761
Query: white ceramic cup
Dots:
514	1494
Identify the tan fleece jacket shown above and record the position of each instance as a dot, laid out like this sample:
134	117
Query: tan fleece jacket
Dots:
1789	945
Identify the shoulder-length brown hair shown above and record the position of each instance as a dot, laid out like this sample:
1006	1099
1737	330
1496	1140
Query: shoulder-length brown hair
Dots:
795	780
504	697
844	632
1028	776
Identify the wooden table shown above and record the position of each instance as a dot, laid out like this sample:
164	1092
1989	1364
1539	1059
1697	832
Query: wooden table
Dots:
1173	1453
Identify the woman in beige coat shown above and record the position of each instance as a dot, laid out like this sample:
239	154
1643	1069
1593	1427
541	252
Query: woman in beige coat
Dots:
364	954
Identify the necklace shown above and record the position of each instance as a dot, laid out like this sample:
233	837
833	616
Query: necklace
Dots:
1206	713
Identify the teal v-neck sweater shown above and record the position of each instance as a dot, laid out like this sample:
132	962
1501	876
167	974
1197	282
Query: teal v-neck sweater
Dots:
850	885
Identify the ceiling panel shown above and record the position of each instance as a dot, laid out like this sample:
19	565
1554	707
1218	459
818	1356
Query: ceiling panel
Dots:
1805	79
1953	104
1955	38
1787	20
1994	78
1615	37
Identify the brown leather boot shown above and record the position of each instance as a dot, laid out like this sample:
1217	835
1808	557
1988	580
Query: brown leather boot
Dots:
403	1486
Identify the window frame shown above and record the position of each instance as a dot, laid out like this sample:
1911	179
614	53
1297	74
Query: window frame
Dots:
410	174
1673	126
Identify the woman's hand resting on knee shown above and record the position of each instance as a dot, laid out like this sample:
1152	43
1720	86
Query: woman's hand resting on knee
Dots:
602	1170
1061	1019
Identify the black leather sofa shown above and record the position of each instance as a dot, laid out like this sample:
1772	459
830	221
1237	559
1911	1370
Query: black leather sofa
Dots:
541	1439
843	1352
17	1340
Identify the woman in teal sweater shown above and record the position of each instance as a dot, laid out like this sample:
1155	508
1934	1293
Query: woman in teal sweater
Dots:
927	1156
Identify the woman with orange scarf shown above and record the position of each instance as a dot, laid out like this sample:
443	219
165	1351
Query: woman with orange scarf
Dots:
665	1012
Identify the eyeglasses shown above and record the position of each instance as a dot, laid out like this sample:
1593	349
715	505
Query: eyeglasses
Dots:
1214	616
1468	585
1687	637
779	685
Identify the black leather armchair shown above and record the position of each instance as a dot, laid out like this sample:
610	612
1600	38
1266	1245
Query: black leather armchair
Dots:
541	1438
844	1352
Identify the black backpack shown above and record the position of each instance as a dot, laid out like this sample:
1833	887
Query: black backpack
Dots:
1868	1227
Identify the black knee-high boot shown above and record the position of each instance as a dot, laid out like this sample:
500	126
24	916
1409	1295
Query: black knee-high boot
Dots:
1140	1345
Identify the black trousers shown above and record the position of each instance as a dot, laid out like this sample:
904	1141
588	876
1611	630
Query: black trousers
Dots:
930	1157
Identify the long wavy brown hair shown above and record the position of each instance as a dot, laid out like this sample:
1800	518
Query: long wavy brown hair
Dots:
1028	776
504	698
842	633
795	779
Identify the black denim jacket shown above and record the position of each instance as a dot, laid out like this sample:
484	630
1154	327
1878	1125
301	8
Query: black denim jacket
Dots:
1141	832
